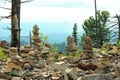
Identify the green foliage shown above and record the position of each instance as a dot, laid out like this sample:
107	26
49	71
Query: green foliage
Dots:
52	58
61	46
54	50
76	55
52	53
95	49
43	37
99	33
2	55
82	39
118	44
70	56
105	50
74	34
63	54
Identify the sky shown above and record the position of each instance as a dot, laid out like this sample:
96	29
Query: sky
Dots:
57	16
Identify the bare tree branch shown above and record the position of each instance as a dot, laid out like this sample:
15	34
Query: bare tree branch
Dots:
27	1
7	28
5	8
21	1
2	17
113	25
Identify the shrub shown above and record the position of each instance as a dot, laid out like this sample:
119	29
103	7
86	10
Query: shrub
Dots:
118	44
77	54
2	55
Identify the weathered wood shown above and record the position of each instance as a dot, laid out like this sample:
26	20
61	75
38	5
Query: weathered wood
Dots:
15	24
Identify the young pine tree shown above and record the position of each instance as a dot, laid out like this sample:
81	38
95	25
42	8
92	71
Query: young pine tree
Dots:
74	34
103	31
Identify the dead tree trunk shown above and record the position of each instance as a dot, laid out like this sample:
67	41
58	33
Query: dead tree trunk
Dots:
30	39
15	24
118	18
14	31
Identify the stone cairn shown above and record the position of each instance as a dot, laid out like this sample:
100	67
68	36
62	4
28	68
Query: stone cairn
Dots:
13	52
38	43
87	48
71	46
36	38
4	44
26	50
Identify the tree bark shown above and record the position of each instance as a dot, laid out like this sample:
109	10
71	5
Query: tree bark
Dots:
118	18
96	23
15	24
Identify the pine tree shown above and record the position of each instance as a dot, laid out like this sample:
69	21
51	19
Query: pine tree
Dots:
74	34
103	32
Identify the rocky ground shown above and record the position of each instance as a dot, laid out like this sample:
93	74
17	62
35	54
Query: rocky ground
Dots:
31	65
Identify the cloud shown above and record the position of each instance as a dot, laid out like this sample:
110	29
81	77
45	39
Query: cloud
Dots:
59	11
110	5
60	3
55	14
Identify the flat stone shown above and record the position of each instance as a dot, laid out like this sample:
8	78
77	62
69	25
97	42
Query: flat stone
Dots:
14	66
32	52
17	72
2	79
55	78
45	50
61	66
97	77
27	66
16	78
4	76
117	70
30	74
24	54
6	70
117	79
103	69
45	74
72	73
13	49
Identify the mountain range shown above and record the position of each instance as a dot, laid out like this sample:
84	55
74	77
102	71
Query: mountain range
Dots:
52	38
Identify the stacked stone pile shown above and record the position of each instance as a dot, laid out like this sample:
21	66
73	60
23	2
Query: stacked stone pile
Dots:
71	46
38	44
26	50
87	48
4	44
28	67
100	67
36	38
31	66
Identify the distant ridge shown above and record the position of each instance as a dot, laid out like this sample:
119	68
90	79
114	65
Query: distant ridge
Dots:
52	38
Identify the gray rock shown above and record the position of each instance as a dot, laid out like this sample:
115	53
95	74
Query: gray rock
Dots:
45	50
61	65
117	79
16	78
97	77
117	70
17	72
72	73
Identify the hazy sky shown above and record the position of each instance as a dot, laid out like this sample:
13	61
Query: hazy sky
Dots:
54	16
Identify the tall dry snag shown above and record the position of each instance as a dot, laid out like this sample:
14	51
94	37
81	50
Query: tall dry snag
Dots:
14	31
